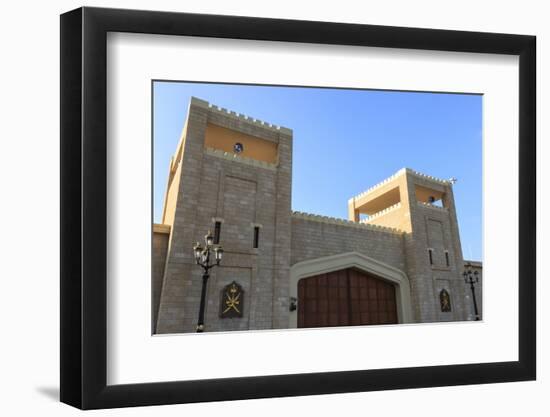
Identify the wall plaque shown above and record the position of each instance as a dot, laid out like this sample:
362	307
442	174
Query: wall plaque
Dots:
232	301
445	301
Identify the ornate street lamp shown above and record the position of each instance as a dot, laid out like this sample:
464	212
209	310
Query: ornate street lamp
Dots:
472	277
203	258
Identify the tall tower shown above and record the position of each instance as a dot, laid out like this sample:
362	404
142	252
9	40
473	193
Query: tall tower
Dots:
232	175
423	207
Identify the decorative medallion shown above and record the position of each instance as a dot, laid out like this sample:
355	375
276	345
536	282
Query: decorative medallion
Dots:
232	301
238	147
445	301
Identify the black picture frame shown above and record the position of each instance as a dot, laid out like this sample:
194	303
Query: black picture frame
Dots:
84	207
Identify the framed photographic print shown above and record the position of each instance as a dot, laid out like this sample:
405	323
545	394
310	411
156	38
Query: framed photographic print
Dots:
257	208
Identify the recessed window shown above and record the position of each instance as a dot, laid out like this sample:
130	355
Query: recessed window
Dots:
447	258
431	256
217	231
256	236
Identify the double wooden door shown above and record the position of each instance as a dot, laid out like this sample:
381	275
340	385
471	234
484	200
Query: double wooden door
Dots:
345	298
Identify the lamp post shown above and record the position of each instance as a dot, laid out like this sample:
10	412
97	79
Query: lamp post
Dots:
203	259
472	277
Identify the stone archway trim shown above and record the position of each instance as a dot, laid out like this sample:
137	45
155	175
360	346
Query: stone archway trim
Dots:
361	262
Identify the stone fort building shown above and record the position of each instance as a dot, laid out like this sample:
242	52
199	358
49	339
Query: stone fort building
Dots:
397	259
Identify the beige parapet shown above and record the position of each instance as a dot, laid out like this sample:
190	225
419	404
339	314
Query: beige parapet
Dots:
343	222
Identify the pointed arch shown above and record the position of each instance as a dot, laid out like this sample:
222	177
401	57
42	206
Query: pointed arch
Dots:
361	262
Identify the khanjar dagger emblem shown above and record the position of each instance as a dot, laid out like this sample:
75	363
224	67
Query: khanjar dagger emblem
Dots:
232	301
445	301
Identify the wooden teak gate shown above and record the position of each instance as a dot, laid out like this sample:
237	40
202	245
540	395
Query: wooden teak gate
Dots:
345	298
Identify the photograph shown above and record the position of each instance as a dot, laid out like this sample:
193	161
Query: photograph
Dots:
288	207
260	206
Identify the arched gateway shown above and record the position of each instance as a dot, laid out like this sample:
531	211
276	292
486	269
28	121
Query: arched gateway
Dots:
348	289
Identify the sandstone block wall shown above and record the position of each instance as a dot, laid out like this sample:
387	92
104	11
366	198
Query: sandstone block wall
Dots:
241	194
160	249
434	228
314	237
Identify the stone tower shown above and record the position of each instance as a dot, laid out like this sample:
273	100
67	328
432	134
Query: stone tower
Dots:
232	175
423	208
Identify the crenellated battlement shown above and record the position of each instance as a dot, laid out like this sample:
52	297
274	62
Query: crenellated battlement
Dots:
429	177
391	178
381	213
237	158
431	206
343	222
239	116
380	184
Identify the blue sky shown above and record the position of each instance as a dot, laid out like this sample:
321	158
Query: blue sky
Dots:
346	141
